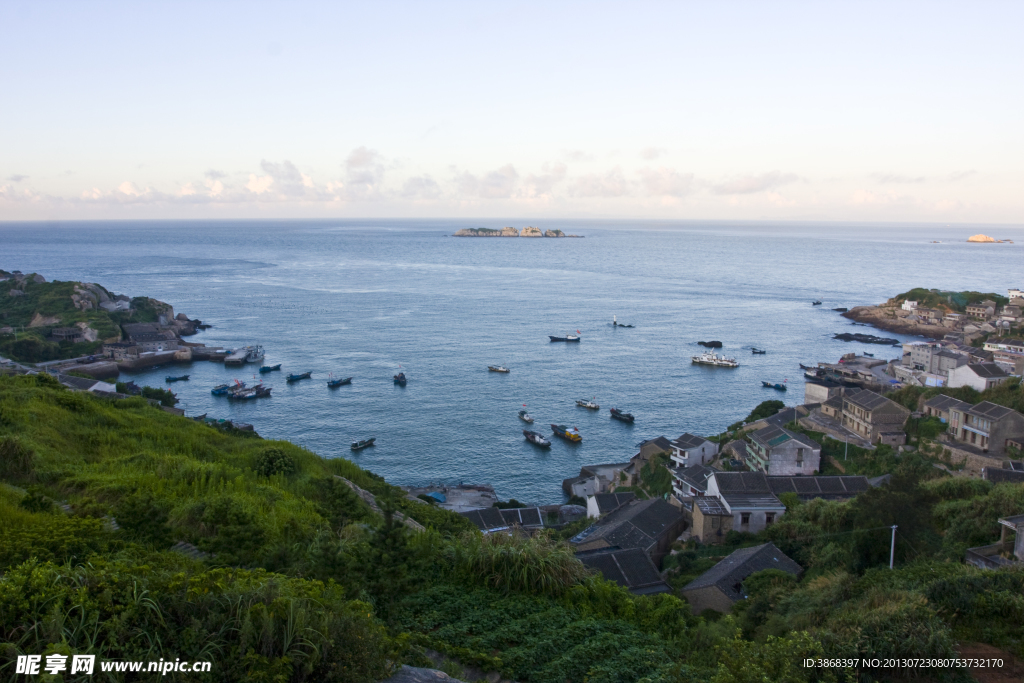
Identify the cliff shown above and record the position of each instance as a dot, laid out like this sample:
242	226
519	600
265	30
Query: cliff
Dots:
486	232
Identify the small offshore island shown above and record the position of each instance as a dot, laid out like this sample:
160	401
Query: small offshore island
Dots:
510	232
936	313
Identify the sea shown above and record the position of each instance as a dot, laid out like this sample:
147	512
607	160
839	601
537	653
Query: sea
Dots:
370	298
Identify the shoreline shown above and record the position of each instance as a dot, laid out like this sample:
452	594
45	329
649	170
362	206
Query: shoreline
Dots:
880	318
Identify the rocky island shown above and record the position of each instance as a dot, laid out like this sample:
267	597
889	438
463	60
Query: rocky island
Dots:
928	313
509	232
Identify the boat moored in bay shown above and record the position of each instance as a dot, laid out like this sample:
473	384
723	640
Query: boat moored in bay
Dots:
360	445
566	338
714	360
254	354
182	378
536	438
221	390
777	386
569	434
624	417
400	379
270	368
525	417
584	403
296	378
337	382
498	368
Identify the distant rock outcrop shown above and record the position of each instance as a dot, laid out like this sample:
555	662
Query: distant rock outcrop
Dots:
486	232
531	232
980	238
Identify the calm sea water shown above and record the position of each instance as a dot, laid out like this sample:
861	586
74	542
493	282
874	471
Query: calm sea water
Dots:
364	298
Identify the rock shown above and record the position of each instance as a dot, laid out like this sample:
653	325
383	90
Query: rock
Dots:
39	320
486	232
16	292
37	278
412	674
531	232
89	334
711	344
554	233
866	338
980	238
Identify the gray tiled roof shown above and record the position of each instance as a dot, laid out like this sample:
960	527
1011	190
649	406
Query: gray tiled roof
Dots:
638	524
607	502
783	417
522	516
998	476
772	436
695	475
486	518
990	411
868	400
710	505
630	567
688	440
742	482
729	574
945	403
828	487
988	370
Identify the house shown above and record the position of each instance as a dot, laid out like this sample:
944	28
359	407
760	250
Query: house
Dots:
1010	361
692	481
874	417
843	487
984	310
692	450
650	448
1005	553
931	357
748	499
990	427
981	376
909	305
631	568
160	341
720	587
489	520
833	406
593	479
86	384
779	451
67	334
600	504
121	350
712	520
650	525
1011	471
948	409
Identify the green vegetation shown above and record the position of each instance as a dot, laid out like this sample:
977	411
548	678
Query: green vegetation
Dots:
288	575
45	302
764	409
1007	394
955	302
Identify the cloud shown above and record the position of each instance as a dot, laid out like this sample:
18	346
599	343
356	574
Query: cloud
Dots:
896	179
497	184
17	178
868	197
665	182
755	183
544	185
421	187
651	153
576	155
610	184
364	169
259	184
213	174
960	175
128	188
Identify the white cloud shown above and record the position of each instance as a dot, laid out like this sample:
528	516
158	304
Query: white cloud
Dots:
17	178
610	184
259	184
421	187
750	184
128	188
544	185
666	182
497	184
651	153
896	179
576	155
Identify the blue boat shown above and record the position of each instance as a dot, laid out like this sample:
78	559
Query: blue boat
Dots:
338	382
776	386
400	379
296	378
270	368
182	378
221	390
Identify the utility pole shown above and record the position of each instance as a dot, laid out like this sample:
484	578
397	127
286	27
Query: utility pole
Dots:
892	548
846	449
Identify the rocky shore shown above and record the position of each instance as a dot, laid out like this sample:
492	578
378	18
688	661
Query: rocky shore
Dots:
885	318
509	232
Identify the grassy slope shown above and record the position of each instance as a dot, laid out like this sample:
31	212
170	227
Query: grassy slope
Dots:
955	302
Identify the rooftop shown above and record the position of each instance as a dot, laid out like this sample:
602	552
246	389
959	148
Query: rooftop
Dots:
638	524
869	400
945	403
609	502
773	436
729	574
829	487
689	441
629	567
990	411
987	370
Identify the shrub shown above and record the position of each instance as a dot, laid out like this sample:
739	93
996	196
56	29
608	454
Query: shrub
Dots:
273	461
16	459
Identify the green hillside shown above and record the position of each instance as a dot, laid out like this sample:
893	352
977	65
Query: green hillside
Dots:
52	300
283	573
955	302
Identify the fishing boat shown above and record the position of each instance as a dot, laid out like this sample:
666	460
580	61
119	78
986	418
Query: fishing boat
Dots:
807	367
714	360
270	368
525	417
242	393
341	381
769	385
616	323
296	378
536	438
221	389
566	433
624	417
180	378
360	445
199	418
815	303
758	351
584	403
254	354
566	338
400	379
498	368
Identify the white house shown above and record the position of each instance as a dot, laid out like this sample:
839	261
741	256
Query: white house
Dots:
692	450
981	376
909	305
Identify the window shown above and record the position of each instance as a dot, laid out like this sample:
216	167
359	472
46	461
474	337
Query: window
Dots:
745	518
769	517
715	522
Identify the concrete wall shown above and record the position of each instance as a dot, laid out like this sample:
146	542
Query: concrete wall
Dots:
706	527
782	460
757	521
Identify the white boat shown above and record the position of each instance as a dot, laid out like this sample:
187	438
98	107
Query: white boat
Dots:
498	368
254	354
525	417
712	358
584	403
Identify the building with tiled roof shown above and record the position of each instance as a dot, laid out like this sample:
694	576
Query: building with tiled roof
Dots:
980	376
690	449
688	482
991	427
874	417
720	587
600	504
631	568
650	525
778	451
828	487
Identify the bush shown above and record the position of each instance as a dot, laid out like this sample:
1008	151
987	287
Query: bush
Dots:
16	459
273	461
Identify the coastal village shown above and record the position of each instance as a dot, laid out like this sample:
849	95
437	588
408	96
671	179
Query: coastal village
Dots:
690	490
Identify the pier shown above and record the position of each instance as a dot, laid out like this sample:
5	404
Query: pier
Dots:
236	357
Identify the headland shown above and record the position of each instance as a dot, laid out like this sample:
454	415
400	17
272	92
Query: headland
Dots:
510	232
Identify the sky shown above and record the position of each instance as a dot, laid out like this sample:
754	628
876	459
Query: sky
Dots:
869	111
